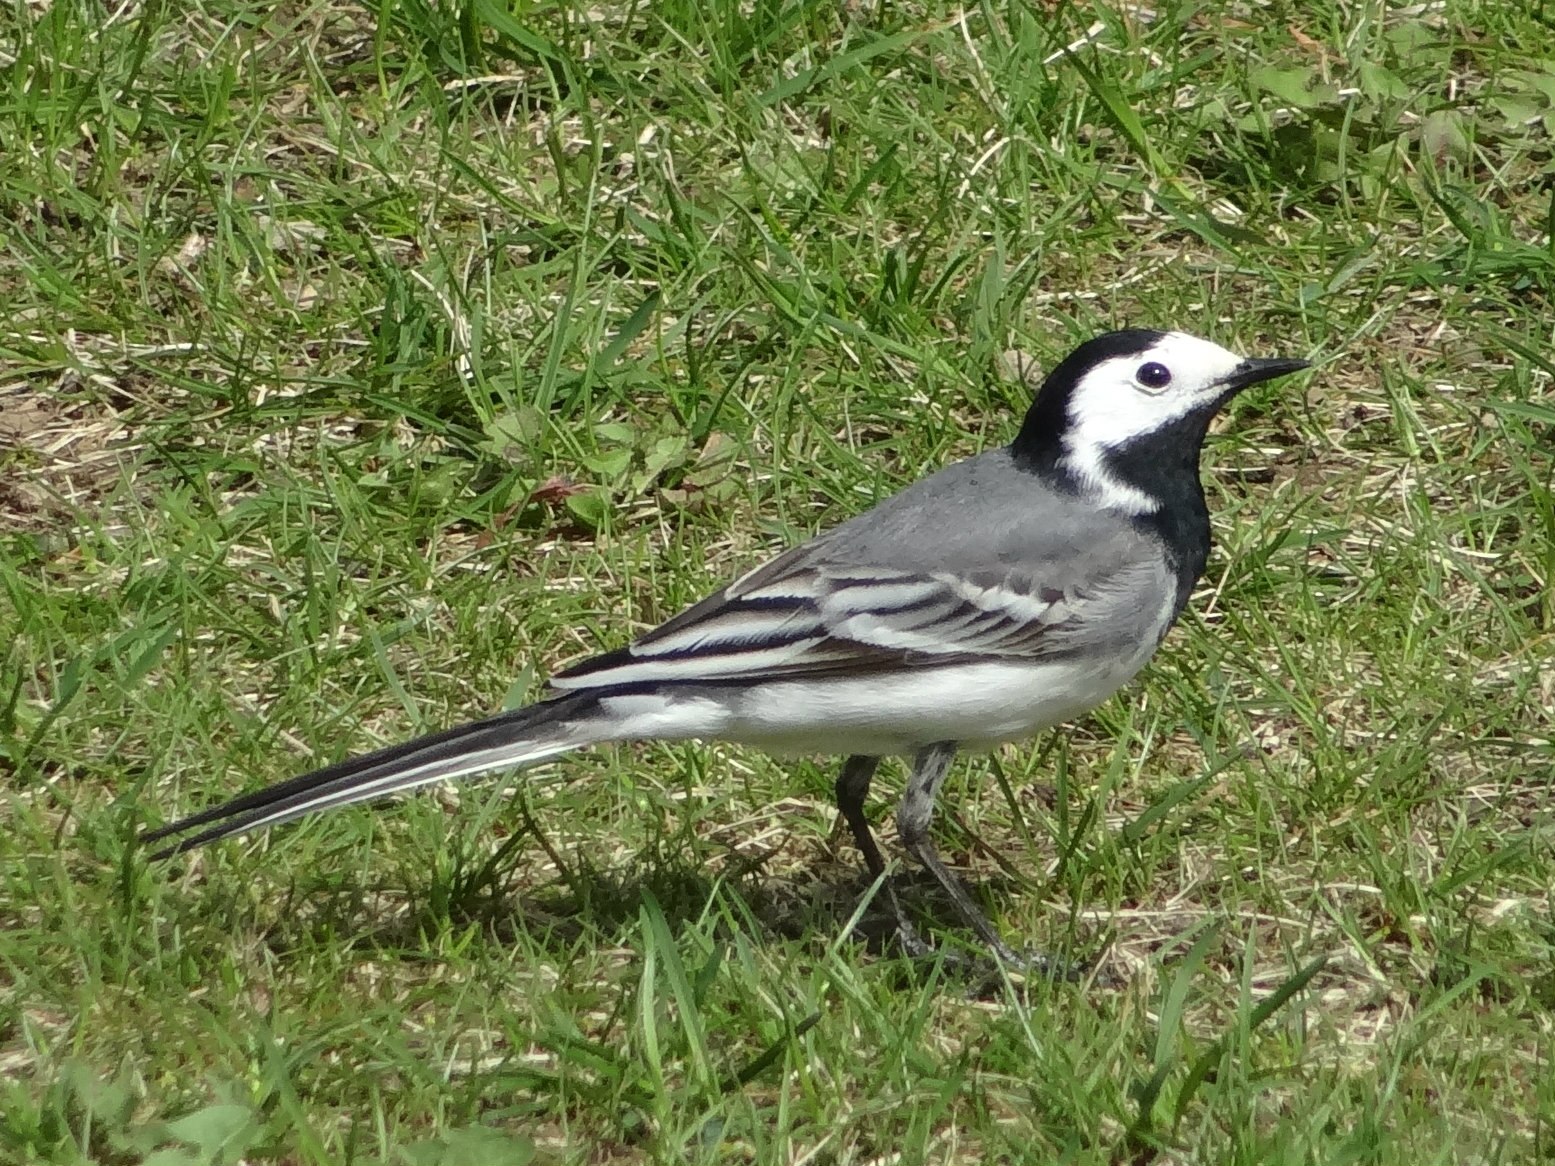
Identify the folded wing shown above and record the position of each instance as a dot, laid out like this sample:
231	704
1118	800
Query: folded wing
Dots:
803	616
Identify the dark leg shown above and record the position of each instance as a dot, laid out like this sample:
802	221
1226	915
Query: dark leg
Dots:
852	789
912	821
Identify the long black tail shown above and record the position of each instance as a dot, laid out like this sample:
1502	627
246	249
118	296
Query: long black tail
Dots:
512	739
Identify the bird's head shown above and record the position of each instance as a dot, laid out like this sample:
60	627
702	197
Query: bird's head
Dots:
1144	396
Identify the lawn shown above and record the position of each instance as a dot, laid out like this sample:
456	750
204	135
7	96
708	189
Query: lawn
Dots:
360	366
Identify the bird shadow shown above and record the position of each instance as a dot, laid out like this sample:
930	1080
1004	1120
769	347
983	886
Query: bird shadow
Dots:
585	907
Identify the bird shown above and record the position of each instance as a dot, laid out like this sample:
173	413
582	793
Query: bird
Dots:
996	598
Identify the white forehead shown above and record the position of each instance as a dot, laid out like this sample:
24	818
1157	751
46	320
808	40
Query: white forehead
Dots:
1193	362
1109	404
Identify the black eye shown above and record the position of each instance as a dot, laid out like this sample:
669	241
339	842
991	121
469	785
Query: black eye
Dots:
1154	375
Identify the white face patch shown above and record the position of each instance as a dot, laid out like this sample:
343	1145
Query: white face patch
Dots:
1128	397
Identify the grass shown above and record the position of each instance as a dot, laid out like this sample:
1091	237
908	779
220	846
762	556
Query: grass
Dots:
359	366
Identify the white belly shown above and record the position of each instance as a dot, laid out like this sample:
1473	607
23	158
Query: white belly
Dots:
892	713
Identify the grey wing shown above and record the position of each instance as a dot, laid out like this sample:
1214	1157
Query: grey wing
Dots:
807	614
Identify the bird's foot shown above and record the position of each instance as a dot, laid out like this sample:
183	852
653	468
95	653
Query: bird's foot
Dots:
1035	962
913	945
985	972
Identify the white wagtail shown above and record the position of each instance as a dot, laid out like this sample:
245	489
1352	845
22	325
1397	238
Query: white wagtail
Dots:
983	604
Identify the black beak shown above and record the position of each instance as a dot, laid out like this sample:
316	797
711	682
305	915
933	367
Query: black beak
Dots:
1252	371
